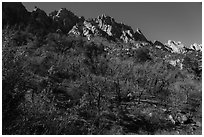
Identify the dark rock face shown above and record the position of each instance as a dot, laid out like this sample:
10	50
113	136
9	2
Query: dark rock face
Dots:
139	36
39	19
63	19
161	46
158	43
14	13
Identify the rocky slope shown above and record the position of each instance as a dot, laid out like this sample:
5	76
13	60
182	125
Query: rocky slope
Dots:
66	22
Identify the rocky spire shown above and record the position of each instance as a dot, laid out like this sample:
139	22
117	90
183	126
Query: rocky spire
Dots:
139	35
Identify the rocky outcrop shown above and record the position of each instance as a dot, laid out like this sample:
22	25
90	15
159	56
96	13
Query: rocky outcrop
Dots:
107	27
139	36
14	13
119	30
176	47
161	46
87	28
158	44
63	19
197	47
177	62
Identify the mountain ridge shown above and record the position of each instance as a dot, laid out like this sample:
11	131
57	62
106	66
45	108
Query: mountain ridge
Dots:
68	23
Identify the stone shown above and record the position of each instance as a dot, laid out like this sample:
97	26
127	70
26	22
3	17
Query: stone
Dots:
170	117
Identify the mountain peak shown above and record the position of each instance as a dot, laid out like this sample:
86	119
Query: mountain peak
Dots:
36	9
105	19
68	23
63	12
139	35
64	19
39	11
139	31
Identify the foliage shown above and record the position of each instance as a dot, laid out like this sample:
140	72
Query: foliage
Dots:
58	84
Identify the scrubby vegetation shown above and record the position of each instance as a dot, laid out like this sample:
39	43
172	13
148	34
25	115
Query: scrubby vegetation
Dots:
59	84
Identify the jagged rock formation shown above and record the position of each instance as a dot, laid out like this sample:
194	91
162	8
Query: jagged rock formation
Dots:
14	13
161	46
106	26
64	19
66	22
139	35
197	47
176	47
88	28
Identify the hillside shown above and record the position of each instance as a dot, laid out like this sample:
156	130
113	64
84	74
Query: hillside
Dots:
64	74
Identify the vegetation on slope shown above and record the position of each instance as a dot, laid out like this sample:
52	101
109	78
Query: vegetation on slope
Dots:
59	84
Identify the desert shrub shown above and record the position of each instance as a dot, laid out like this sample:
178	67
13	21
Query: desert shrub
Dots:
60	43
186	95
13	79
141	55
68	85
95	103
39	115
193	64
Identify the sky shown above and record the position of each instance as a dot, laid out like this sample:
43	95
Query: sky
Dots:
161	21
